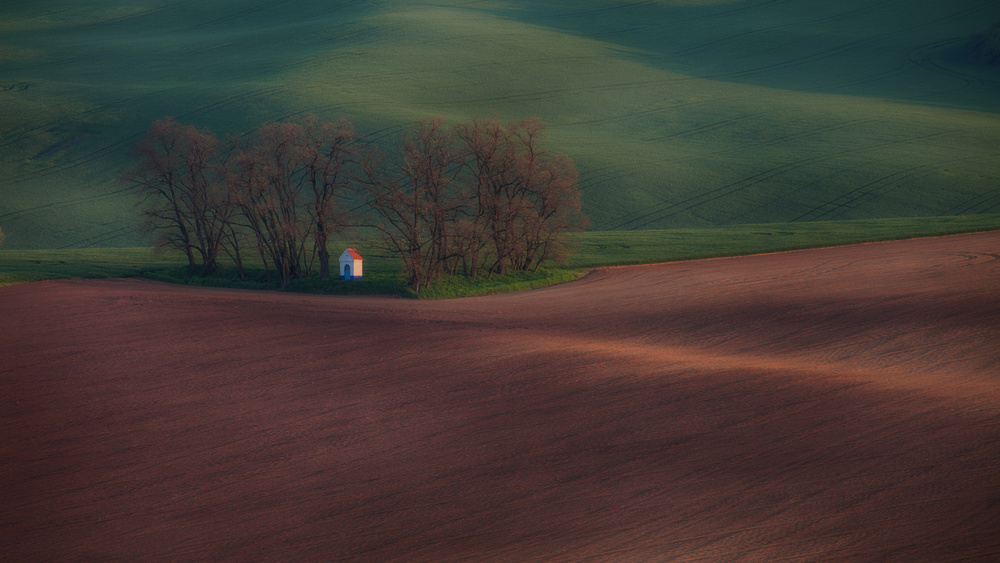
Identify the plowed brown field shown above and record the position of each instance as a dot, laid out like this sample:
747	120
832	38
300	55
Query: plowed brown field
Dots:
834	404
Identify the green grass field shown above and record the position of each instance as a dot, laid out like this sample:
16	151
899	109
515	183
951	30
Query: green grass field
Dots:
591	249
679	114
611	248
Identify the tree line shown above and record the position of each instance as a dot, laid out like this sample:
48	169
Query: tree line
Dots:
478	198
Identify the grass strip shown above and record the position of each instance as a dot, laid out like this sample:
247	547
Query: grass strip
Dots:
592	250
614	248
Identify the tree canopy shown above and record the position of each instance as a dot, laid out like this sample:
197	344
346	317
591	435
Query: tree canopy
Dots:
478	197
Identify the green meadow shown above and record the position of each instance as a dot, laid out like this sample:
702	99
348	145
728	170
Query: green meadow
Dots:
680	114
590	250
616	248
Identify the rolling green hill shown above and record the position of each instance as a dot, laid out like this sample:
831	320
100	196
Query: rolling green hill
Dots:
678	113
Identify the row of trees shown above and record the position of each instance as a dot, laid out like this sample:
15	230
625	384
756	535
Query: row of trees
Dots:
480	197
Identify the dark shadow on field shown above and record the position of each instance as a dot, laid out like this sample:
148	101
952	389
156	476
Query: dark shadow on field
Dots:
670	420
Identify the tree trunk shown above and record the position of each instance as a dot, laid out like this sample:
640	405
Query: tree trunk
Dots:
324	253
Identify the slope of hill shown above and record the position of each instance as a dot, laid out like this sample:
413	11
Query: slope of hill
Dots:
840	404
677	113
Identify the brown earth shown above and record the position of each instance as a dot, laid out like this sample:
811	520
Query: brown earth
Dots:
835	404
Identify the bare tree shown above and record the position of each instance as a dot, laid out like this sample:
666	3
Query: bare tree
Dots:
417	202
431	163
481	195
286	181
491	161
553	199
177	170
265	181
328	158
526	198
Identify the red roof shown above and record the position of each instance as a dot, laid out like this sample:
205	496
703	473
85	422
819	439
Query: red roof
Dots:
354	254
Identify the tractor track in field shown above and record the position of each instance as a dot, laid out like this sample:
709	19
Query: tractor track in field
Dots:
923	57
722	123
142	14
926	57
829	404
832	17
629	5
668	209
836	207
919	57
21	214
17	135
122	144
119	145
980	204
101	239
237	14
